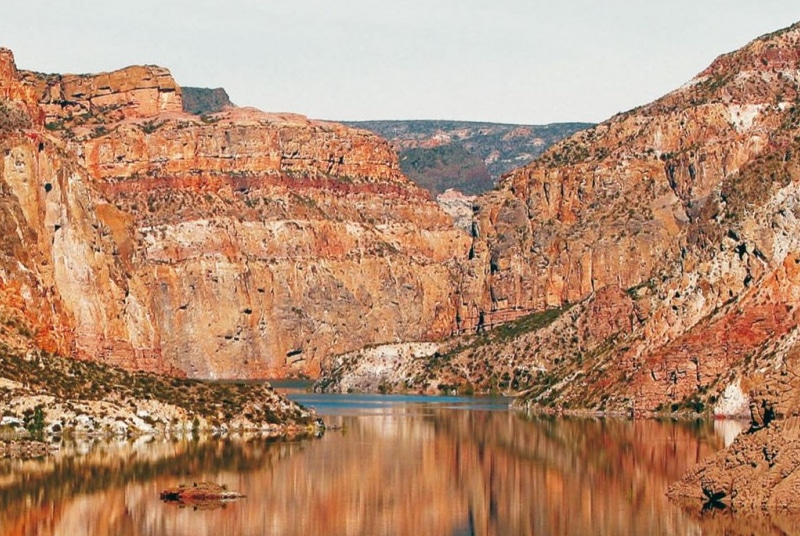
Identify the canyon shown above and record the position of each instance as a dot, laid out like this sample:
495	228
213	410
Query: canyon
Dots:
647	265
644	265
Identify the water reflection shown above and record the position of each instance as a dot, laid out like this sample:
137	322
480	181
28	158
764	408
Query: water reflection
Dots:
402	469
728	429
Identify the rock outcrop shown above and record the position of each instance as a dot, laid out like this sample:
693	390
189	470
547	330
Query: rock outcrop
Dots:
459	207
235	244
200	495
201	100
759	472
627	200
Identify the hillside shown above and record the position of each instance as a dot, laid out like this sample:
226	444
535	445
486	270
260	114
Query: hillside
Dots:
85	398
200	100
650	266
467	156
642	239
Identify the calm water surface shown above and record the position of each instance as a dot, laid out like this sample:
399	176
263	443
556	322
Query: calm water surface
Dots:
394	465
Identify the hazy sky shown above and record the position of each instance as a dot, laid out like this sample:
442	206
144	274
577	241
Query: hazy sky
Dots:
516	61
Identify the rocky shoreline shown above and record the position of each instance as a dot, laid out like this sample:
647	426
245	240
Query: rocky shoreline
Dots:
760	472
45	396
26	448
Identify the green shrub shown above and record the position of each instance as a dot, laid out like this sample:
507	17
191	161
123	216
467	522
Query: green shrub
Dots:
34	422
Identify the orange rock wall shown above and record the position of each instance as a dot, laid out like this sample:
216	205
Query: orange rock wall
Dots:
242	244
686	204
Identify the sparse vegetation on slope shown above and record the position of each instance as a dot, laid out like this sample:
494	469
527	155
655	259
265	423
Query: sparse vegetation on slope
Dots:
42	389
463	155
447	166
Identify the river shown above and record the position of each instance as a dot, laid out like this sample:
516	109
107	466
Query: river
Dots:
389	465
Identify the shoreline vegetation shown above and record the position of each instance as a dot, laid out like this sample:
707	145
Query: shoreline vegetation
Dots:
44	396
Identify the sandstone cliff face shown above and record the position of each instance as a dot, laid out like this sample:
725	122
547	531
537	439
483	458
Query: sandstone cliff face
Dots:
238	244
615	204
44	214
650	262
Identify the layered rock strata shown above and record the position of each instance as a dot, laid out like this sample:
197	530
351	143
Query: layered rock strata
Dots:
687	207
648	264
237	244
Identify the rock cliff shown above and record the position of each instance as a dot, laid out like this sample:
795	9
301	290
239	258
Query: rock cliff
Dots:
759	472
235	244
648	264
673	227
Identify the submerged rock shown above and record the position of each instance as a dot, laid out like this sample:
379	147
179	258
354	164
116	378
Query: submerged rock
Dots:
202	495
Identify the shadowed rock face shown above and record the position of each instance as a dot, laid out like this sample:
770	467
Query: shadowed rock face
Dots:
201	100
240	244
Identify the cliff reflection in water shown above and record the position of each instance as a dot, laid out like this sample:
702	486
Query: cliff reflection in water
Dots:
408	470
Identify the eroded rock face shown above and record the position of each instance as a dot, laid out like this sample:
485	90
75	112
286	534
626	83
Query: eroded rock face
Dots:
239	244
688	206
666	240
133	92
758	473
616	204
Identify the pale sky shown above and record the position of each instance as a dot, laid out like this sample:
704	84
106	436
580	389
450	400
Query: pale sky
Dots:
513	61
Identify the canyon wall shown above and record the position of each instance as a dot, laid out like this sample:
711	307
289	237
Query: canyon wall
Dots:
236	244
673	226
645	264
648	264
